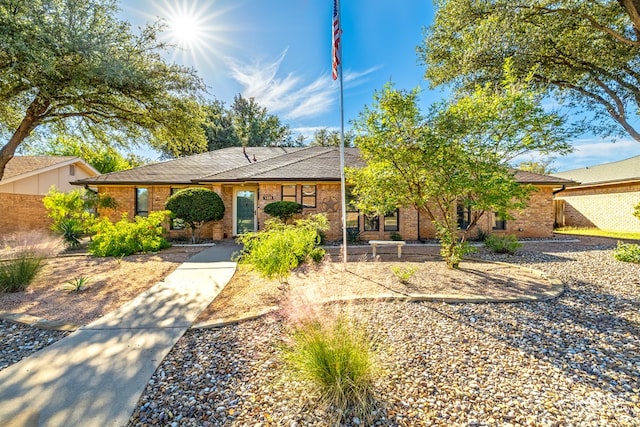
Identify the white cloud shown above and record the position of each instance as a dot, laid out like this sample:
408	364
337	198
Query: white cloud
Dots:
290	96
595	151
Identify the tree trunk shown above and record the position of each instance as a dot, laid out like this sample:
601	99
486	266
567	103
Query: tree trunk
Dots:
30	121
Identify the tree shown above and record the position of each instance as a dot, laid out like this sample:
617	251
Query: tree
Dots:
540	166
195	206
102	157
458	153
245	123
71	67
584	52
324	137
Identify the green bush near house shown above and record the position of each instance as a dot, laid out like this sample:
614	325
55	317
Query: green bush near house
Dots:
283	210
337	359
507	244
196	206
126	237
280	247
17	273
627	252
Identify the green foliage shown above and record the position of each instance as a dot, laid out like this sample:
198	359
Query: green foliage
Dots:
481	235
353	236
129	237
636	211
17	273
196	206
452	248
395	236
337	359
458	153
74	68
597	232
77	284
280	247
582	52
331	138
73	213
244	123
627	252
317	254
403	274
283	210
104	158
503	244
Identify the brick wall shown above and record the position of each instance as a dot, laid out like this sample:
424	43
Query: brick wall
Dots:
536	221
22	212
607	207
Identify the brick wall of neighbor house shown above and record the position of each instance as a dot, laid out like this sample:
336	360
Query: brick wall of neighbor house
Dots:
605	207
22	213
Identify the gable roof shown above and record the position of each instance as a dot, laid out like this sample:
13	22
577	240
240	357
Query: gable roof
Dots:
271	164
20	167
620	171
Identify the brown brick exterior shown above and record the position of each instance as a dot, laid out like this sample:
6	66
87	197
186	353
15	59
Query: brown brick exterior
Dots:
535	221
22	213
607	207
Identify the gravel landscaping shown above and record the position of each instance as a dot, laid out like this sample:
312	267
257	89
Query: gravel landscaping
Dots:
572	361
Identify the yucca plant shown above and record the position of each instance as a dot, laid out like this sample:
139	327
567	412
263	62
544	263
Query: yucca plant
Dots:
77	284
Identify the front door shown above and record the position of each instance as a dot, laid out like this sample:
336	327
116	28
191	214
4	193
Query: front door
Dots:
245	207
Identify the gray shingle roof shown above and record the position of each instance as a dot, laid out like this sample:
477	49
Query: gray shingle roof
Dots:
272	164
623	170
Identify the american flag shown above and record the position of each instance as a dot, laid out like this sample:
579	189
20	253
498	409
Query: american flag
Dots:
335	51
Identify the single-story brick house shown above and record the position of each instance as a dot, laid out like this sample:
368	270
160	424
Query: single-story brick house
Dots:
247	180
605	197
26	181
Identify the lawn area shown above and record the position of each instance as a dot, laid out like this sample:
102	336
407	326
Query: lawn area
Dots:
596	232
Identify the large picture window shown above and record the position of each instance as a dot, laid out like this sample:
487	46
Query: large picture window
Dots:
142	201
309	196
289	193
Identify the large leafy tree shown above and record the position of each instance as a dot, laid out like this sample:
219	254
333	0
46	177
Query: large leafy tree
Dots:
586	53
70	66
245	123
104	158
324	137
458	153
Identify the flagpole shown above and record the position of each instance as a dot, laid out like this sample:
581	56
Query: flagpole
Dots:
343	188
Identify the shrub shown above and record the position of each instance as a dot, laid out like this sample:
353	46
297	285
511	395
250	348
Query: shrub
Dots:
125	237
77	284
403	274
70	229
627	252
196	206
396	236
280	247
337	359
507	244
17	274
283	210
353	235
317	254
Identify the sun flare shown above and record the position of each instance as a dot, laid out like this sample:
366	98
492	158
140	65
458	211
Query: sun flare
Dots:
186	28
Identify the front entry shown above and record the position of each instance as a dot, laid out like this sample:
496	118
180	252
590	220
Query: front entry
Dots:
244	205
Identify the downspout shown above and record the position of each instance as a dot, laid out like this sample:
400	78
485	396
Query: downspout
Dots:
564	187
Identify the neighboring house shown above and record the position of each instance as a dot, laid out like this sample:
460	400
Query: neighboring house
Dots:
247	180
26	181
605	197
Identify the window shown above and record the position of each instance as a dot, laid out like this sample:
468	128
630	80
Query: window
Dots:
309	196
391	221
142	201
176	223
289	193
371	223
464	216
353	216
499	224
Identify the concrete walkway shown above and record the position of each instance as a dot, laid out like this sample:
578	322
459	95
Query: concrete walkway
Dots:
95	376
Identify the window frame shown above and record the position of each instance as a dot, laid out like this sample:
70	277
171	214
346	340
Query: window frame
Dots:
304	196
351	210
499	224
287	197
138	211
395	214
371	220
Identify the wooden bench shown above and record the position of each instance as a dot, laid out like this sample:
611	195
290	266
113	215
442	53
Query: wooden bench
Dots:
375	243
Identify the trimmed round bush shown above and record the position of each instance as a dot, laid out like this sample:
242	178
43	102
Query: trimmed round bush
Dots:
283	210
195	206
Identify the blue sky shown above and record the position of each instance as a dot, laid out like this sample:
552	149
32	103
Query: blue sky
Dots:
279	52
